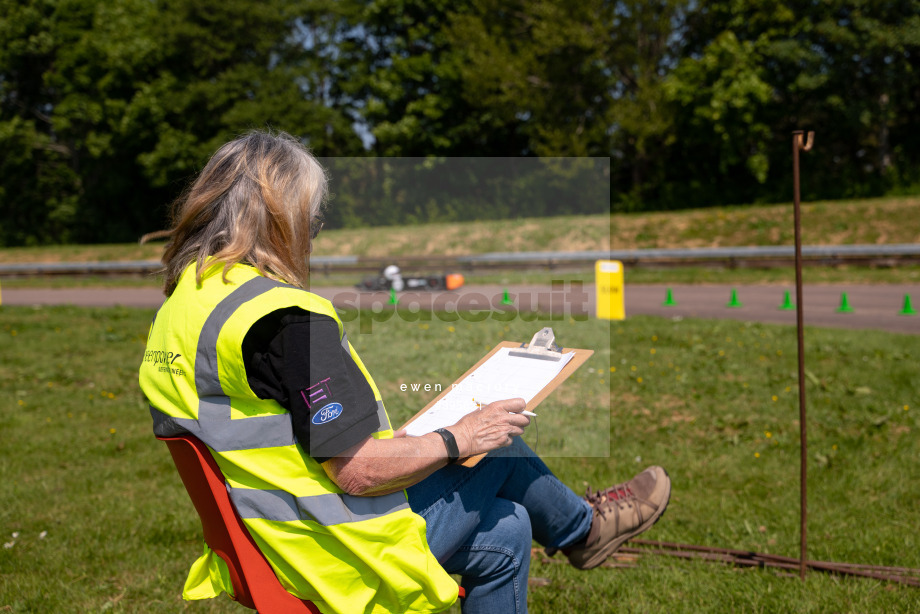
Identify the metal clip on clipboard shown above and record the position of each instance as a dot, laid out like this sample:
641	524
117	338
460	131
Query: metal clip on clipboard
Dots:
542	346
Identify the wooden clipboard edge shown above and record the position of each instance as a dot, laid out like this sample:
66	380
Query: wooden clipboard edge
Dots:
580	357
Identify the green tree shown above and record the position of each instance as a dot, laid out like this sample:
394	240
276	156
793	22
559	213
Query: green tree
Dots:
545	77
844	68
109	107
38	187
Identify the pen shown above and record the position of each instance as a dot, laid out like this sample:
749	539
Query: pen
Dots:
523	413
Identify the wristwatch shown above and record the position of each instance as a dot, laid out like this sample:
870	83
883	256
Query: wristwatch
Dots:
453	452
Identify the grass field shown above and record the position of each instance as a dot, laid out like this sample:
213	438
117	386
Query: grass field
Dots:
95	518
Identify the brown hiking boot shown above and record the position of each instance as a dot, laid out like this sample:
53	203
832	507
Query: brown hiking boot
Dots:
620	513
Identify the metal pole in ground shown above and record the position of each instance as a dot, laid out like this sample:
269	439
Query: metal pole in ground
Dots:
798	143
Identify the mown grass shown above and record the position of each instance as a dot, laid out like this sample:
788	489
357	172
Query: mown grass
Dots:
102	522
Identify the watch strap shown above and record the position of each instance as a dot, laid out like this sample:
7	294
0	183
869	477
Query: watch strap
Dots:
453	452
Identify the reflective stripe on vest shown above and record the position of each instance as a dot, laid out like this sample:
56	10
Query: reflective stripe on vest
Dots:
326	510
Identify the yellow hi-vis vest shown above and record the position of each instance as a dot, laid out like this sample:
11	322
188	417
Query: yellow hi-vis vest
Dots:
345	553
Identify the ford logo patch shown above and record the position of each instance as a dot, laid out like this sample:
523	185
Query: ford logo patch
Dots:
328	413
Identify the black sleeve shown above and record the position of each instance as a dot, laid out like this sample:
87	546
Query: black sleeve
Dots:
296	358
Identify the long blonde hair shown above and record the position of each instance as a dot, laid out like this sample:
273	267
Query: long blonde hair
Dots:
253	202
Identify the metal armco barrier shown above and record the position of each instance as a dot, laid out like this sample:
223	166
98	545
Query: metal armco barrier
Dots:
731	257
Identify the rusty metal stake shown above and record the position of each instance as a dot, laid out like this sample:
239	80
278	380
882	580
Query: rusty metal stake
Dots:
745	558
798	143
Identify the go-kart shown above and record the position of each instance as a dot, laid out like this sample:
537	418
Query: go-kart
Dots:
390	278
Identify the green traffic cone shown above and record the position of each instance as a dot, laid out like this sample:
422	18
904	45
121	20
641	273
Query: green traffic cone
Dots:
908	309
669	299
506	298
734	302
844	304
787	302
393	299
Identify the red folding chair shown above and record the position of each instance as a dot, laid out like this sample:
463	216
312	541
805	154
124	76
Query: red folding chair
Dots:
255	584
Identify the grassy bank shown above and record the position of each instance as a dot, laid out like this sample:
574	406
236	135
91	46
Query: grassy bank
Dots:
892	220
871	221
96	518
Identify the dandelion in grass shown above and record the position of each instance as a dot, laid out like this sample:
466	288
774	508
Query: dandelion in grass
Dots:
775	398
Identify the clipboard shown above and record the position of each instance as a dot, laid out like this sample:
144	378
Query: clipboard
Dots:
542	347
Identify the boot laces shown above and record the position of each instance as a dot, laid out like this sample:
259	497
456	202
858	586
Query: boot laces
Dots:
603	500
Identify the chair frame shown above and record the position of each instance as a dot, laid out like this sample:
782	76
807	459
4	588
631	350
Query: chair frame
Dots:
255	584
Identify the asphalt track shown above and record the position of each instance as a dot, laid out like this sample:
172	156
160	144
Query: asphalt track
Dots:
874	307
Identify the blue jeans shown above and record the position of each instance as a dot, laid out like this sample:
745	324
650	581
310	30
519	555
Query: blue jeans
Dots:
481	522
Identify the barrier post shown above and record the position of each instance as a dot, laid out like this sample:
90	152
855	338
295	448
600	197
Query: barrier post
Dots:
608	280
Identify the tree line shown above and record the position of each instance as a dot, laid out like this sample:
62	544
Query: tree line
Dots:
108	107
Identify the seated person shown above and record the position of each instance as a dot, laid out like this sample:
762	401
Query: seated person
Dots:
350	514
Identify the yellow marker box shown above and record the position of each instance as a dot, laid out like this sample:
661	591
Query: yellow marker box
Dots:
608	279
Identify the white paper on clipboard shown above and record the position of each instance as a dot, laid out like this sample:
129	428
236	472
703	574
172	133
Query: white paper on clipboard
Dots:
501	376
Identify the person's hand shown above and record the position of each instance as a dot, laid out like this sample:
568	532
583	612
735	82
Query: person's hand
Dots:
493	426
